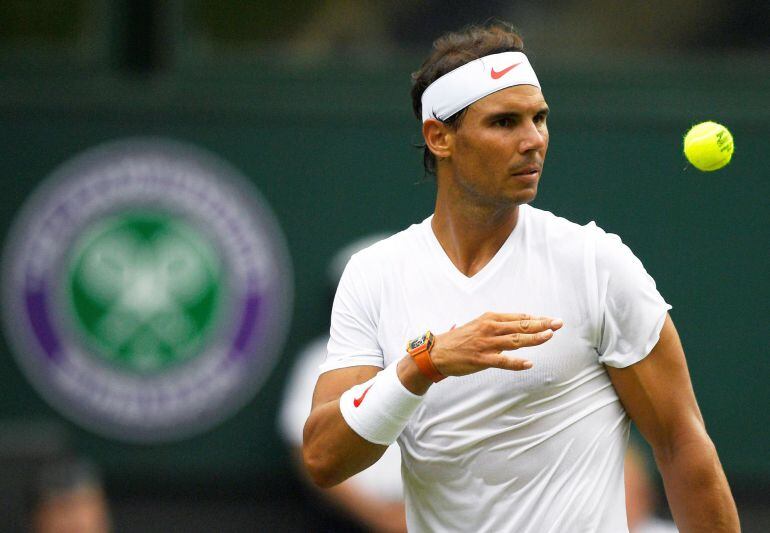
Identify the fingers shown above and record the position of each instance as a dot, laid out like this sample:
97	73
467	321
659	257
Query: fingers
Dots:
506	362
527	325
483	342
515	341
506	317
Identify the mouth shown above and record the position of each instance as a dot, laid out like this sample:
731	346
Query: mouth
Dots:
527	173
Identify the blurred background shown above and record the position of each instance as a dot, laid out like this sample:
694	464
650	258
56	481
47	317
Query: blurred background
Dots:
308	101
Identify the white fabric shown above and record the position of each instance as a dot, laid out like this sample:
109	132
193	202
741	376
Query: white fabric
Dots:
379	409
382	480
474	80
498	451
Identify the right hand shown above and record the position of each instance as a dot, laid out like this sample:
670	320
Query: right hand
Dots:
479	344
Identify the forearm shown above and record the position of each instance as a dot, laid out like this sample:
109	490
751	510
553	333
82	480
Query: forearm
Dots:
337	446
331	450
696	487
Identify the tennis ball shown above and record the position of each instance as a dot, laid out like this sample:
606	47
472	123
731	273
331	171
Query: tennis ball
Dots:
708	146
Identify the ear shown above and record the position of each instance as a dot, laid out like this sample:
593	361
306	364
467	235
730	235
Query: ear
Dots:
439	138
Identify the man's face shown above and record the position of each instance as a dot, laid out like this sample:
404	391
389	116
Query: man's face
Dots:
499	147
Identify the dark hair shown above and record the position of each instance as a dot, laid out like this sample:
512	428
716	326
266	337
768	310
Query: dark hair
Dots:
453	50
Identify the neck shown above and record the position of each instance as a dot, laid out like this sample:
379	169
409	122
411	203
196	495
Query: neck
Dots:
471	234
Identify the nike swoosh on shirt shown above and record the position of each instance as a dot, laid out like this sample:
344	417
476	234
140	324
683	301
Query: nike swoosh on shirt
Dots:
497	75
357	401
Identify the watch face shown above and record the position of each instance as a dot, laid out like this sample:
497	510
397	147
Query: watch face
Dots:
416	343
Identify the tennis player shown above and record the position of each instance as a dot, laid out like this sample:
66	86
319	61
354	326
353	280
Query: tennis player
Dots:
505	348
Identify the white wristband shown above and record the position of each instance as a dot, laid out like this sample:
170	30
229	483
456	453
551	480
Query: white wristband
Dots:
379	409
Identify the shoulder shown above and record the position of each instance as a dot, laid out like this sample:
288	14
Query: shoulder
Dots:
585	247
388	251
373	269
396	244
560	233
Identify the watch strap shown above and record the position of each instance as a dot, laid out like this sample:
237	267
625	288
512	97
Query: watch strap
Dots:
421	358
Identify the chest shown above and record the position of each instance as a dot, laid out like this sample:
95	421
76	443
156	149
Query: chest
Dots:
426	300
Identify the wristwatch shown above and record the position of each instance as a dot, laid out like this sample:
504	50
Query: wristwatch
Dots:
419	350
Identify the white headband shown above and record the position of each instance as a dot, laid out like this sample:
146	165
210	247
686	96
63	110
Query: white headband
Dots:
472	81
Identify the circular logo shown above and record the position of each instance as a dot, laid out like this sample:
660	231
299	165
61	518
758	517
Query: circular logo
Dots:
147	290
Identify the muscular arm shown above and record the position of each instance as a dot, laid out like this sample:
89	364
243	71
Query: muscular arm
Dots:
658	396
332	451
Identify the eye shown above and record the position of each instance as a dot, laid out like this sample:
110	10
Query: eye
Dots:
505	122
540	118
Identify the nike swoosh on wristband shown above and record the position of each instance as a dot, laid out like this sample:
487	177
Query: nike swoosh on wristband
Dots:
497	75
357	401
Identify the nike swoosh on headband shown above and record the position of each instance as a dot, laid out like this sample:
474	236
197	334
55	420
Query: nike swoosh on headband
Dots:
497	75
468	83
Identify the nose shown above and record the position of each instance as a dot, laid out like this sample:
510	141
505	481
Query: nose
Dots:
534	137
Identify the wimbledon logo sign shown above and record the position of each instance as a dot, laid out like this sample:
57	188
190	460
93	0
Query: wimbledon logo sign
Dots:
147	290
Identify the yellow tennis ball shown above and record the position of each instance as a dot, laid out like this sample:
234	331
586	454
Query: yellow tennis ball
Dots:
708	146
